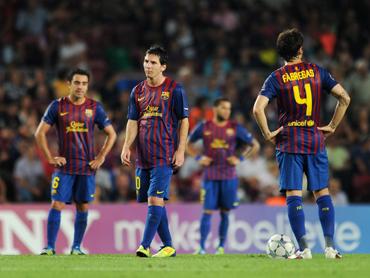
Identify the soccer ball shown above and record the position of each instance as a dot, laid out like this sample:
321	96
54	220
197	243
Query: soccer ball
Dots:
280	246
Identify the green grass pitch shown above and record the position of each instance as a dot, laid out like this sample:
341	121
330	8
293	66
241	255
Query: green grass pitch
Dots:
353	266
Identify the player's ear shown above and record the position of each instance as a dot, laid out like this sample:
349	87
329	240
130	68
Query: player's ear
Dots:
164	67
300	51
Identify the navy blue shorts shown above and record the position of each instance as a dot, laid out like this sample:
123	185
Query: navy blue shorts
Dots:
67	188
219	194
154	182
292	166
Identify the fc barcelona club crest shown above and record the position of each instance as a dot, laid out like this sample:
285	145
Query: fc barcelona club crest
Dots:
88	113
165	95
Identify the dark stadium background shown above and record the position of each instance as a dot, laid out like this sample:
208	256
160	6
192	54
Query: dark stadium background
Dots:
217	48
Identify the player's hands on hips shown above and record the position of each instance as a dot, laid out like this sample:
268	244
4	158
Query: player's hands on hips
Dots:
178	159
326	130
271	136
97	162
58	161
205	161
125	156
233	160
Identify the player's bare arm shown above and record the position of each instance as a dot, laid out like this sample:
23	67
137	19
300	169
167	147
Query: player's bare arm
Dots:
343	102
179	155
41	141
108	144
252	149
192	151
131	133
260	116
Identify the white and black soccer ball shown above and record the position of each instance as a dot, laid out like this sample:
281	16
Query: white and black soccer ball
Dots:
280	246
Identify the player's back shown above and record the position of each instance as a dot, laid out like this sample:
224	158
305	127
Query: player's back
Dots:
298	89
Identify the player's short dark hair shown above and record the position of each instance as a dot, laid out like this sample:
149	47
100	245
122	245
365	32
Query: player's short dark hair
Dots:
218	101
79	72
288	43
159	51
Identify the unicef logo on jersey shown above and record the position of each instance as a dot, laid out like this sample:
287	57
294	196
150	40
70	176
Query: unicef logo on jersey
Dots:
309	123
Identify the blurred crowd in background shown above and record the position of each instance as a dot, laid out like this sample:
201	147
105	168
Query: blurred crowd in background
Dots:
216	48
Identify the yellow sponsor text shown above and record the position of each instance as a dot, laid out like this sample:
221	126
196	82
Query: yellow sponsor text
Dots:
77	127
152	111
219	144
304	123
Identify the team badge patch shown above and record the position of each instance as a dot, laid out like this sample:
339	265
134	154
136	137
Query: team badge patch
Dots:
88	113
230	132
165	95
207	133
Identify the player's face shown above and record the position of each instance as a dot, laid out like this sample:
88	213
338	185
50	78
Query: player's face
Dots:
152	66
79	85
223	111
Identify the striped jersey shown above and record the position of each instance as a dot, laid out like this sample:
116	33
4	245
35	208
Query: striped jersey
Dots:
75	129
158	111
298	89
219	143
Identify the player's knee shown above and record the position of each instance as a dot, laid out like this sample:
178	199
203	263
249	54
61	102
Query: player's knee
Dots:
155	201
57	205
321	192
82	207
207	211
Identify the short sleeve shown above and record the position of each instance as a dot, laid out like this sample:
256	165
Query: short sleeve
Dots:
101	118
197	133
180	102
327	80
269	89
51	114
243	135
133	113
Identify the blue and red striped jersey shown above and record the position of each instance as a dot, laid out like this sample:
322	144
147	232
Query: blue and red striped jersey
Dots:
158	111
298	89
75	129
220	142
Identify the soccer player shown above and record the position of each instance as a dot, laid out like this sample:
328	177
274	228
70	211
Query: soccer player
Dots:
158	117
76	164
300	140
220	136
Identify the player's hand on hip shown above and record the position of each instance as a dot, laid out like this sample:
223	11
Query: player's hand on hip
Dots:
205	161
271	137
326	130
233	160
58	161
97	162
125	157
178	159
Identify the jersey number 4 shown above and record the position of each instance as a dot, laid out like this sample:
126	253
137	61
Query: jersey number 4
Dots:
307	100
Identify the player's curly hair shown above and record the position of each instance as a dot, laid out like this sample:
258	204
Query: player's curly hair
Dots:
288	43
159	51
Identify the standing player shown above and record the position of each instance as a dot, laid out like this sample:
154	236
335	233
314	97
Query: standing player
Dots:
74	176
300	146
158	116
221	137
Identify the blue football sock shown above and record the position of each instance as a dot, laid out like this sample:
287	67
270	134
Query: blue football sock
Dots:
296	219
53	227
151	226
80	228
224	225
163	229
326	215
205	227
